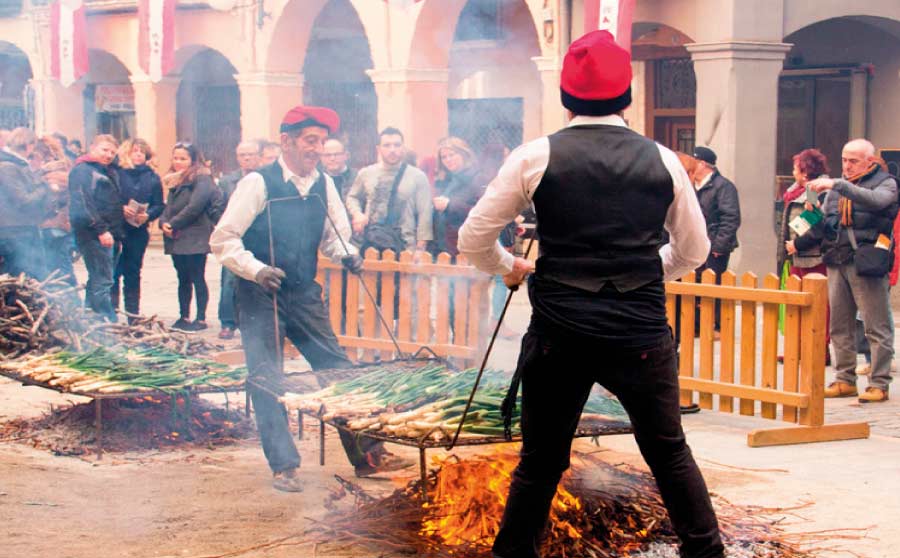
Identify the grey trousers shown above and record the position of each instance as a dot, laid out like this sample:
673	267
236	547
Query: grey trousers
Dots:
848	292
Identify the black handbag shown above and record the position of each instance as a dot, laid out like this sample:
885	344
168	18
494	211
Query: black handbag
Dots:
386	235
871	260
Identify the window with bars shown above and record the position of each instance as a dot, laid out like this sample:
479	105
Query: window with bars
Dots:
676	84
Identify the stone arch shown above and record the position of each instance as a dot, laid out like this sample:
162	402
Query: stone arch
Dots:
335	75
664	86
108	96
799	14
15	73
435	27
839	82
495	90
208	105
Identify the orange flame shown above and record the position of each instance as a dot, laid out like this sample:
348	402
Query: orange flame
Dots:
470	496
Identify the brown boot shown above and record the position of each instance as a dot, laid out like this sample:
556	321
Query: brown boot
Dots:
840	389
873	395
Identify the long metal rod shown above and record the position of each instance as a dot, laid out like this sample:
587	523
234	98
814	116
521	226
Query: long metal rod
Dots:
487	354
279	350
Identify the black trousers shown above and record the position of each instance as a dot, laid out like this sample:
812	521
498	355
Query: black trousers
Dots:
129	261
556	383
303	319
191	270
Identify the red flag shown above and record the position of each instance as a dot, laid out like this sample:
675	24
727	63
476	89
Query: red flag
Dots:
614	16
156	37
68	41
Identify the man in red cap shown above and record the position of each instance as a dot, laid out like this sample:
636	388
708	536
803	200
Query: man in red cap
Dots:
277	220
603	195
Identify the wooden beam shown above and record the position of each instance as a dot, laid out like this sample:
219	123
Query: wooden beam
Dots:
741	293
807	434
745	392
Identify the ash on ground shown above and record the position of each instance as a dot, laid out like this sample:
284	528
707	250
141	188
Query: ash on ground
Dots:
148	423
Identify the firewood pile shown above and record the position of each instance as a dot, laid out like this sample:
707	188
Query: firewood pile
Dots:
36	316
600	511
146	423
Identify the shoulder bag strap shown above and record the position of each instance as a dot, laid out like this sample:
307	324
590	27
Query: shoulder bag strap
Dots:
391	218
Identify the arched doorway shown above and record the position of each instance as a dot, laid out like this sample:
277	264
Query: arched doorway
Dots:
208	108
15	72
334	75
494	86
839	82
108	98
664	103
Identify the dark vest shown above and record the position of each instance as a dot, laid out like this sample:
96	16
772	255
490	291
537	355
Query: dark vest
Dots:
297	225
601	206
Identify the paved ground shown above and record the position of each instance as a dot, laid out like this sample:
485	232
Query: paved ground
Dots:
209	502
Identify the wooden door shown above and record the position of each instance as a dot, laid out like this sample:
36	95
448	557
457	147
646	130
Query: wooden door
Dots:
676	132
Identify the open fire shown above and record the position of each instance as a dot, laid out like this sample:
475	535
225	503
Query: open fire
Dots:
600	511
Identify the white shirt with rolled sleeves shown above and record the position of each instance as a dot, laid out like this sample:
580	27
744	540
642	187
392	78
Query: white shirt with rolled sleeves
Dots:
249	200
512	191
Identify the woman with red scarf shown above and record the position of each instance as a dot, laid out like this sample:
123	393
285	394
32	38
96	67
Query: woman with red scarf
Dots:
803	252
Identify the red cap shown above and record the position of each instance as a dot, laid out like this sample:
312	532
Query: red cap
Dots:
596	75
301	117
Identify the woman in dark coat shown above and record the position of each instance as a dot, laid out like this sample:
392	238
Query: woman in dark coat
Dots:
457	190
187	225
142	203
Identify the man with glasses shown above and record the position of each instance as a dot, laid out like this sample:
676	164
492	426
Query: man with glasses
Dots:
334	163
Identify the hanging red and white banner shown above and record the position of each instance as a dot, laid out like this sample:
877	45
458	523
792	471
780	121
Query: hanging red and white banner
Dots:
614	16
156	37
68	41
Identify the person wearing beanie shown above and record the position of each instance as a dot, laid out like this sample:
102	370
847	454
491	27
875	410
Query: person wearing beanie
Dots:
277	220
604	196
722	210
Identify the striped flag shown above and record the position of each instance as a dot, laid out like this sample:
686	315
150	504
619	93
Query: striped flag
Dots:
614	16
156	37
68	41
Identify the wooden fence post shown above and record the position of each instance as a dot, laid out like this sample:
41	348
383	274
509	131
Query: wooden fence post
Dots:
812	350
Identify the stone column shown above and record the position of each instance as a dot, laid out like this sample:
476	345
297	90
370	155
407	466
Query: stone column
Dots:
737	108
859	103
155	106
265	98
58	108
553	114
415	101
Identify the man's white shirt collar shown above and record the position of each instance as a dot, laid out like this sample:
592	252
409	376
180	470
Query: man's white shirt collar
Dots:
302	181
609	120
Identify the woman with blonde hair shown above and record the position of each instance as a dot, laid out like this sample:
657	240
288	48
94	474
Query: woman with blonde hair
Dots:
142	202
187	225
457	190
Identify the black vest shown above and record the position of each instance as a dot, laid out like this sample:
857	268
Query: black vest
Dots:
297	225
601	207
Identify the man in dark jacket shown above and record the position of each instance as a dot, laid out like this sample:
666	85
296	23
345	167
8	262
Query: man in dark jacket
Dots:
248	156
722	210
95	211
25	201
859	216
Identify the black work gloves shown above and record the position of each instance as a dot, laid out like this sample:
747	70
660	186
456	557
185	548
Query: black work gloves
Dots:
353	264
270	278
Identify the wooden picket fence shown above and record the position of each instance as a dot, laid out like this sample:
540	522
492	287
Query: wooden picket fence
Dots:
796	395
441	305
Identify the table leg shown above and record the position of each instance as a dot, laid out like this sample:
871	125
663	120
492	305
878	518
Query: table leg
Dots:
300	425
321	442
98	426
423	474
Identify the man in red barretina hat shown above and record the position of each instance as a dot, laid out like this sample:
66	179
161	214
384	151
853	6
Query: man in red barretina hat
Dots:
276	222
604	196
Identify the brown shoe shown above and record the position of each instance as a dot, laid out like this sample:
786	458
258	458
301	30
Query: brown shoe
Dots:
873	395
840	389
226	333
287	481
